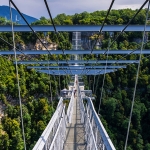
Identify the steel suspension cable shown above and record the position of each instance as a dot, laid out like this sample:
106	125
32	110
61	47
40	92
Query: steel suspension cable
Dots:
101	95
100	31
46	4
28	24
55	84
30	58
124	28
30	27
38	63
37	37
57	33
130	21
89	82
132	51
59	79
64	82
96	85
59	83
137	76
17	74
94	82
10	44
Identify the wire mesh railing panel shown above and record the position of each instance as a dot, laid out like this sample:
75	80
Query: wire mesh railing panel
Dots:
60	135
46	138
95	134
102	139
70	107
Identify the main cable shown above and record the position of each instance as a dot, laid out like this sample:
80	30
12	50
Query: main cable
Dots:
130	21
30	27
137	76
100	31
104	76
57	34
35	34
124	28
17	74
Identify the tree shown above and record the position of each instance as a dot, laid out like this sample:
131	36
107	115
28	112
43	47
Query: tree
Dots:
12	127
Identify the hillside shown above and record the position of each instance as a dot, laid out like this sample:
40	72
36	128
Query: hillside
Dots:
4	12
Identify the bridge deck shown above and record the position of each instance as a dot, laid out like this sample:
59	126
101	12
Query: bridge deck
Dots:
75	131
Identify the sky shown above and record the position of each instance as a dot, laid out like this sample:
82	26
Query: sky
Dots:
36	8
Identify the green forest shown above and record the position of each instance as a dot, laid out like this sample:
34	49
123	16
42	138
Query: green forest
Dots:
36	91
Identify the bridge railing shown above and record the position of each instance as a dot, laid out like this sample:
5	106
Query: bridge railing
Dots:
95	133
70	106
89	136
60	135
102	138
48	134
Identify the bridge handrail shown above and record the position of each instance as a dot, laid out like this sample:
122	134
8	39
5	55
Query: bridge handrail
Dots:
60	135
106	139
91	143
56	116
82	108
70	107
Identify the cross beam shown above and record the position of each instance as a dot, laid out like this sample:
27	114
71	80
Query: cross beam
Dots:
79	62
75	52
73	28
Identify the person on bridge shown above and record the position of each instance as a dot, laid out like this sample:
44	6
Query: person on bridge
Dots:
75	93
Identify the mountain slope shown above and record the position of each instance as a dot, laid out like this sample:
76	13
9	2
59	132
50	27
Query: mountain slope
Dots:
5	12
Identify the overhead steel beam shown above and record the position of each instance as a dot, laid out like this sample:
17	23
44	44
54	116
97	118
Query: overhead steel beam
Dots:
78	70
73	28
73	67
78	52
79	62
74	73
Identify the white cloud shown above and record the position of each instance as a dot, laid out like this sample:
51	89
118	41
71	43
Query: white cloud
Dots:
36	8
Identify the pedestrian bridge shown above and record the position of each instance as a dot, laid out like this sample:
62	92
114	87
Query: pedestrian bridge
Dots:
77	127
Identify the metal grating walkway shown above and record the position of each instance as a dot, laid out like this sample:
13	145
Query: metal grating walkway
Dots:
75	136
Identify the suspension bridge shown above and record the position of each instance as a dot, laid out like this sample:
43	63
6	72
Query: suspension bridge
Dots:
78	126
78	129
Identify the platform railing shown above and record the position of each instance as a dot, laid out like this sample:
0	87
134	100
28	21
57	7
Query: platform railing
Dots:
60	135
95	133
70	106
81	105
53	136
89	136
103	140
48	134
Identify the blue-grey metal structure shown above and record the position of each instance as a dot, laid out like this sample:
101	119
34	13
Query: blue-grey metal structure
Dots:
75	72
79	62
74	67
75	52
